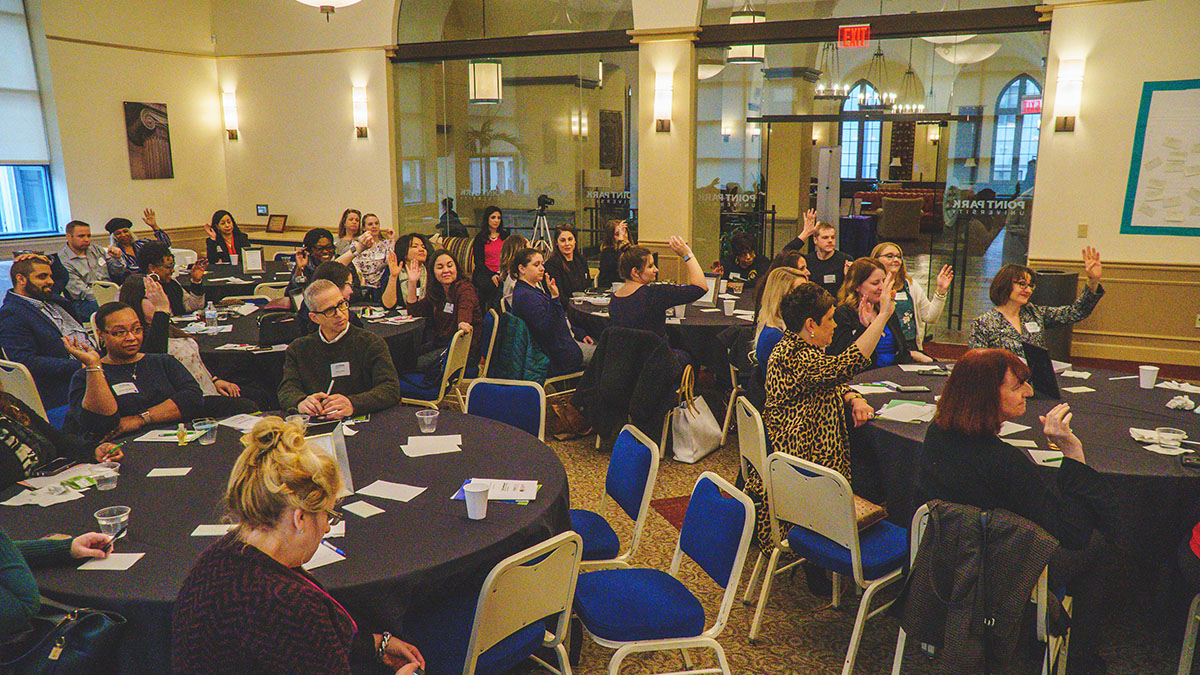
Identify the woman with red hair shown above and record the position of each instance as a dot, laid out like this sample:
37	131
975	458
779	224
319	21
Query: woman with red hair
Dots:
964	461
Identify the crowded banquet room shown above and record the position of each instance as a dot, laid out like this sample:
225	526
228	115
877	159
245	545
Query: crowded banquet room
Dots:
599	336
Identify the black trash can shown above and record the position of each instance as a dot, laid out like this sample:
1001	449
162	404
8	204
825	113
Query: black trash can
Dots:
1055	288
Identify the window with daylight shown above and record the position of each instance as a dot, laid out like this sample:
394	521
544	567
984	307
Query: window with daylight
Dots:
1016	137
26	204
860	140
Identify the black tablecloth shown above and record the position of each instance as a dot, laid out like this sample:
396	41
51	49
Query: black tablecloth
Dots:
1155	493
216	291
266	367
415	551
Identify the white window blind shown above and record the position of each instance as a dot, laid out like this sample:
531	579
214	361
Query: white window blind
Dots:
23	140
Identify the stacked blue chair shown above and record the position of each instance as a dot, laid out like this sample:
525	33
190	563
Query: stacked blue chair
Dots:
640	610
632	470
515	402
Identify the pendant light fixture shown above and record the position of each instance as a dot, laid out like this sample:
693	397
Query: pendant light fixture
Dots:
747	54
485	77
881	98
910	98
327	7
829	84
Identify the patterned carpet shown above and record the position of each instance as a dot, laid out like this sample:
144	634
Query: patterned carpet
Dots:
799	633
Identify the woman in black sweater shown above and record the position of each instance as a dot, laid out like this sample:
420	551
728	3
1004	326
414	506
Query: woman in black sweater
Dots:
616	240
567	266
964	461
225	239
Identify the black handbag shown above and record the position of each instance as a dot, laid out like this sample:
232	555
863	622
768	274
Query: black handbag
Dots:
84	641
277	328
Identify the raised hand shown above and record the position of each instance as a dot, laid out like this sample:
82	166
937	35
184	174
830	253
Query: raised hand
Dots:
394	265
679	246
944	279
810	224
81	350
866	312
210	232
301	261
413	270
198	269
887	301
149	219
157	298
1091	265
114	252
1056	424
553	287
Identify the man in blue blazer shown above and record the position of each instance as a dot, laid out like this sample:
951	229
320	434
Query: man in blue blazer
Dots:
33	323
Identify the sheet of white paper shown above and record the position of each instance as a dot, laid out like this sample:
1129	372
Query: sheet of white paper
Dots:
242	423
439	442
727	296
363	509
165	472
212	530
389	490
58	478
1167	451
500	489
870	389
322	557
246	309
1021	443
907	412
674	321
711	309
917	367
166	436
1047	457
1059	366
1078	390
117	562
1077	374
743	314
1011	428
1179	386
338	530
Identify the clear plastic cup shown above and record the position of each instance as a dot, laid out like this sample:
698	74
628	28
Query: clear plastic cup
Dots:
111	519
106	474
300	420
427	420
207	427
476	496
1170	437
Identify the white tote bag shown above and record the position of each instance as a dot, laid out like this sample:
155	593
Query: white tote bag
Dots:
695	431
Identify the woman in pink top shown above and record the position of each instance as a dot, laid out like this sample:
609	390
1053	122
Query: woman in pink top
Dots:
485	251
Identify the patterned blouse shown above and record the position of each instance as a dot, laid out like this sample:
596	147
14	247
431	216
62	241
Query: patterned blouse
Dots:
372	262
993	331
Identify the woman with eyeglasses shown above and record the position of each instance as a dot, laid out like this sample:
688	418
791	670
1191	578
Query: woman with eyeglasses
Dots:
126	390
1015	322
248	605
867	281
319	248
914	309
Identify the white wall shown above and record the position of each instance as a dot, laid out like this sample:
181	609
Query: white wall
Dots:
1082	176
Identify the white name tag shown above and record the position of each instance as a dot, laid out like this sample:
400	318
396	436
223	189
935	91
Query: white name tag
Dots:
1032	327
902	295
339	369
123	388
830	278
449	308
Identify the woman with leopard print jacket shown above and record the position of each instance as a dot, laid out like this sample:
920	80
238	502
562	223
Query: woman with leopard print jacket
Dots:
808	390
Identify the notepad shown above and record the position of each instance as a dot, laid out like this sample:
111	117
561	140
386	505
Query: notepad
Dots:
1077	374
918	367
870	389
1046	457
389	490
243	423
1078	390
363	509
505	490
324	556
420	446
168	472
115	562
212	530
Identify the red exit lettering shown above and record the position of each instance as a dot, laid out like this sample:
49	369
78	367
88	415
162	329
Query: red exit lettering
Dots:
1031	106
854	36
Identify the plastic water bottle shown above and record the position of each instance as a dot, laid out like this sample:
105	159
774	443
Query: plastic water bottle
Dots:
210	316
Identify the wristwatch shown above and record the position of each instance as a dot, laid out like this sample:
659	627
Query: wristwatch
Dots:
145	417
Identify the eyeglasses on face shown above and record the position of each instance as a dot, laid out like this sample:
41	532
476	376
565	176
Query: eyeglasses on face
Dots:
122	333
334	516
327	247
889	255
332	312
1025	284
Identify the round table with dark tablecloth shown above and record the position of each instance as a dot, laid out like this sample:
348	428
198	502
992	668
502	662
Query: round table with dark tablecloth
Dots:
696	333
1156	495
215	291
413	552
265	367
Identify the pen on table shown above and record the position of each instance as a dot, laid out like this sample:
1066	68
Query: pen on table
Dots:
113	450
1050	460
335	549
108	546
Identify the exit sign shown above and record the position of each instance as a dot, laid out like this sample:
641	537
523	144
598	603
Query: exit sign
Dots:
854	36
1031	105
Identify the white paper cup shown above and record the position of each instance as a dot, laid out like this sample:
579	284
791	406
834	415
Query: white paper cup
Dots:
476	495
679	311
729	307
724	286
1147	376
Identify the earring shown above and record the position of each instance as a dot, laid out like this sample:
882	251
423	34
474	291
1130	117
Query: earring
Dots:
811	335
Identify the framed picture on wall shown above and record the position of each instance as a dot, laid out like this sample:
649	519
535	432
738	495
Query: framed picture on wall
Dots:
148	138
612	141
276	222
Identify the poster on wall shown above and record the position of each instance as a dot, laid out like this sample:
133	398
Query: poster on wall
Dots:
612	142
148	138
1163	195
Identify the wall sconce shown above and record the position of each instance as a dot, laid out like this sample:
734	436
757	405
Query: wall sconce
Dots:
360	111
229	103
935	133
816	136
1068	94
662	101
755	131
579	124
726	132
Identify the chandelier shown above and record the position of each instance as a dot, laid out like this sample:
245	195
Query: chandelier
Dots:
751	54
328	6
882	98
910	98
829	84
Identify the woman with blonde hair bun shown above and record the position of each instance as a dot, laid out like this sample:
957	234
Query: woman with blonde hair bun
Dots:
248	605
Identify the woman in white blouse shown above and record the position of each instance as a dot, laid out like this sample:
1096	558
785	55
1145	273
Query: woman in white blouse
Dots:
914	309
370	256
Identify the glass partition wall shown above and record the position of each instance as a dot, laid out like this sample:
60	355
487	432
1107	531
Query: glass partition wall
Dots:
558	136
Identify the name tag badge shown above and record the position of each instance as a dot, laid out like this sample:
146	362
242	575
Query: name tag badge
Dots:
902	295
1032	327
449	308
123	388
339	369
830	278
